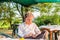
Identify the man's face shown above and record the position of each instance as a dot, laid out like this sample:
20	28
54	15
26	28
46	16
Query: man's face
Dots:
29	18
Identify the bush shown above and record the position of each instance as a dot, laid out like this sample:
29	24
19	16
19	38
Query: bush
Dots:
44	20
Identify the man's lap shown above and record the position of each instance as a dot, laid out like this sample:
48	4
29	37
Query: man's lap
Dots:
37	37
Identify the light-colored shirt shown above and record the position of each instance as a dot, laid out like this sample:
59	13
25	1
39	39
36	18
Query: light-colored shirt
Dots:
24	29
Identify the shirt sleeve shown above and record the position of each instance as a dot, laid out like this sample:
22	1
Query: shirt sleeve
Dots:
37	30
20	32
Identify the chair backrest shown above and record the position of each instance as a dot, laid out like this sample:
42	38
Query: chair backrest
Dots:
15	28
16	33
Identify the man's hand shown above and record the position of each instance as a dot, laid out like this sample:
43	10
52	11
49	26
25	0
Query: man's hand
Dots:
34	36
28	35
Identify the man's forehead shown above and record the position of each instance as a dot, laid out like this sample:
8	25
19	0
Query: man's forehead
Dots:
29	17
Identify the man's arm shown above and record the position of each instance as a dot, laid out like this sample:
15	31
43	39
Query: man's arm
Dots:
20	32
37	30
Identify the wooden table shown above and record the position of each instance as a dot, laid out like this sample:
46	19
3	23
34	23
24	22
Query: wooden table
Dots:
51	29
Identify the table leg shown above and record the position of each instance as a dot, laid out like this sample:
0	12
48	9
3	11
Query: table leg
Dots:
56	36
51	37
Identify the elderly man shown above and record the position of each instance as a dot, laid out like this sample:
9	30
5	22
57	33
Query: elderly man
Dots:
28	29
